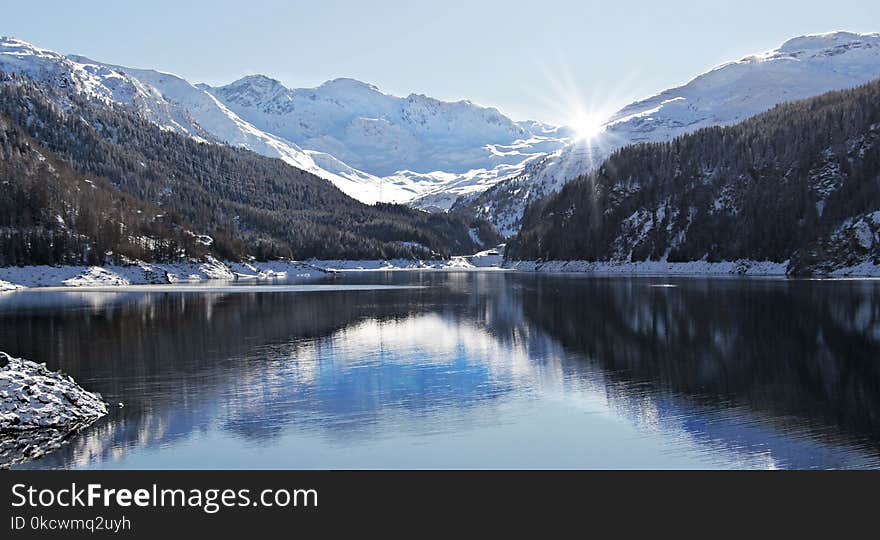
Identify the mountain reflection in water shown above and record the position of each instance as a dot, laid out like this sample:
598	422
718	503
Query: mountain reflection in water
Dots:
469	370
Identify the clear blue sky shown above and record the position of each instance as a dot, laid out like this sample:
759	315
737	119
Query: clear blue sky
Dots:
531	59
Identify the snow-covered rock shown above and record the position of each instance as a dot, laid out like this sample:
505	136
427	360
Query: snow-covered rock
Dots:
33	397
273	270
802	67
96	275
490	258
5	286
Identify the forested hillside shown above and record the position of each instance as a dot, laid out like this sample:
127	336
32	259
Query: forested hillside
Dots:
248	204
51	214
800	182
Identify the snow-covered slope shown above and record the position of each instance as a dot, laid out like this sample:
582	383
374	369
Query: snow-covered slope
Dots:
802	67
418	144
98	81
175	104
380	133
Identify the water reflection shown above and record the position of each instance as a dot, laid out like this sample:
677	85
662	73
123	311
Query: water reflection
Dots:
470	370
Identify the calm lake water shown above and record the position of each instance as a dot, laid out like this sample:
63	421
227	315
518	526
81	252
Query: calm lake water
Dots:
467	370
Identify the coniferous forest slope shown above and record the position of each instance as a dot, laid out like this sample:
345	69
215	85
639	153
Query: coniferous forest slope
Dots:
154	193
799	183
52	214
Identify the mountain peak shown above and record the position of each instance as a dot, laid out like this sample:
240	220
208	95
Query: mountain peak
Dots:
253	90
13	46
347	84
256	80
10	40
258	85
828	40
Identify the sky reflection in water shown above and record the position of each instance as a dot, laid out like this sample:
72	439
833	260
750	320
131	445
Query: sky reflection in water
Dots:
469	370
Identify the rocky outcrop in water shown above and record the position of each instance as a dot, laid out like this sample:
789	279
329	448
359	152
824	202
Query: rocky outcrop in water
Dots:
34	397
40	410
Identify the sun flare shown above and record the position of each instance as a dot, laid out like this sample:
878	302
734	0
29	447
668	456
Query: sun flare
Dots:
587	126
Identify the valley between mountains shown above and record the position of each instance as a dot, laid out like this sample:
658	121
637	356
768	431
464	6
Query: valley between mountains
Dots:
769	164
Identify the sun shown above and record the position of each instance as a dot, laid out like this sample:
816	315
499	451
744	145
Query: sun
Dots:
587	126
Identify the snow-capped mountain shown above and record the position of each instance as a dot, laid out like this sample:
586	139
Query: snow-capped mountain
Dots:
802	67
419	144
430	153
372	145
98	81
175	104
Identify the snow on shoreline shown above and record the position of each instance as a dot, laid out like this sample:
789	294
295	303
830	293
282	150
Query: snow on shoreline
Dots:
15	278
470	262
646	268
140	273
690	268
863	269
490	259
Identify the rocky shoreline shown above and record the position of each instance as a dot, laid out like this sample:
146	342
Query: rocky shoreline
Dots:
40	409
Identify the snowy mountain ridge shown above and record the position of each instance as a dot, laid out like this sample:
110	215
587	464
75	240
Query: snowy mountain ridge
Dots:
173	103
97	81
801	67
371	145
419	144
358	123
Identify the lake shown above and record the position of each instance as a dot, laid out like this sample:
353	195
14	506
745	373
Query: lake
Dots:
466	370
